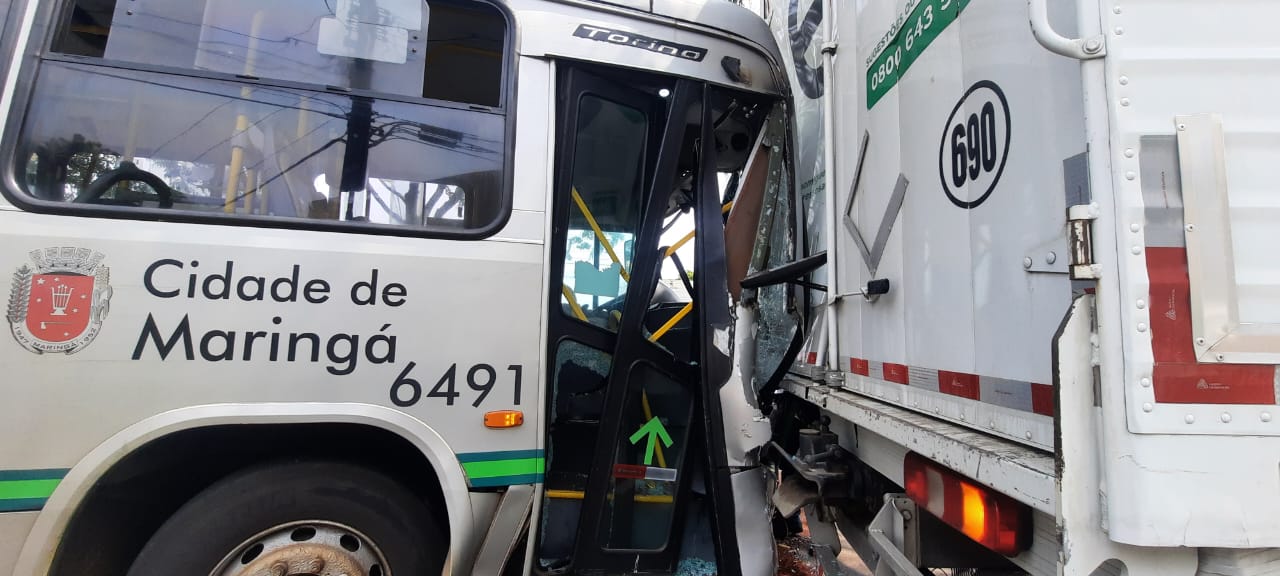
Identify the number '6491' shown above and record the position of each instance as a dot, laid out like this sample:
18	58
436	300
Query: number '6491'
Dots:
481	379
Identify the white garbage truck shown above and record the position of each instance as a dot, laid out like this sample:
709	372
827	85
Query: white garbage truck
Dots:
1049	318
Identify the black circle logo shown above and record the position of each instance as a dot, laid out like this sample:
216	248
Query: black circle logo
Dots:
975	145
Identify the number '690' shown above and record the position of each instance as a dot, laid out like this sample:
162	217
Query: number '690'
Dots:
974	146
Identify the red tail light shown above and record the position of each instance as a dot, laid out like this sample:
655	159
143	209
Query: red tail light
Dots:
988	517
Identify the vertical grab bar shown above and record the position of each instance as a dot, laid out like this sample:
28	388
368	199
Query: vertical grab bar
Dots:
1078	48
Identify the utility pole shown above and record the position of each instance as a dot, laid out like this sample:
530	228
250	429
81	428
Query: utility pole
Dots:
355	160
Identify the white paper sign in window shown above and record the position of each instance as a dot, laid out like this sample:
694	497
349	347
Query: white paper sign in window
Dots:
405	14
365	41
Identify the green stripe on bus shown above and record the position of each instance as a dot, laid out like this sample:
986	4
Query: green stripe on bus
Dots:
499	455
27	489
504	467
23	505
46	474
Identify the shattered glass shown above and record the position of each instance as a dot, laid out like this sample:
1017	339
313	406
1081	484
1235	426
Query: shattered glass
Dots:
777	319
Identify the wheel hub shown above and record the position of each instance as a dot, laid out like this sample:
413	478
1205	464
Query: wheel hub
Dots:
313	548
305	560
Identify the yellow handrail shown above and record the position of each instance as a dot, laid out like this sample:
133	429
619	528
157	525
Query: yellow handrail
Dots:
242	120
660	332
678	244
573	302
577	199
689	236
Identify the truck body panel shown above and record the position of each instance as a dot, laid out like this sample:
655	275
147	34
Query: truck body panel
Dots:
965	133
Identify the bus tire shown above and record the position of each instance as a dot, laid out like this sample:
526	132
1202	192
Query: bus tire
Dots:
356	520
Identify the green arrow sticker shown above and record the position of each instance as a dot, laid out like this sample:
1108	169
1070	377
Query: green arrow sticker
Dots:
654	430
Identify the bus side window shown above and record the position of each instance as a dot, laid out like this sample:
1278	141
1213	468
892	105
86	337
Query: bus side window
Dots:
297	109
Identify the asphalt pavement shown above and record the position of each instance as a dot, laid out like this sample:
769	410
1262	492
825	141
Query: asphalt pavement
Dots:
797	557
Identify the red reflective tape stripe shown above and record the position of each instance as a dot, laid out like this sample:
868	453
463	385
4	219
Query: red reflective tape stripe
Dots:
630	471
959	384
1170	305
860	366
1178	376
1042	399
895	373
1214	384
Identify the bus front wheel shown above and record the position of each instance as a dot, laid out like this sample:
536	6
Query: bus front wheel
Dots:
294	519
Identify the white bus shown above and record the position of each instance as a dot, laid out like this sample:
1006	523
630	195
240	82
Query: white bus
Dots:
376	287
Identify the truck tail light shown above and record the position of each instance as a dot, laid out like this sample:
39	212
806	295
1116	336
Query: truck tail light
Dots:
988	517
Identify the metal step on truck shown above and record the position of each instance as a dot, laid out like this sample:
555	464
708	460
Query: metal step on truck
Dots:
1047	330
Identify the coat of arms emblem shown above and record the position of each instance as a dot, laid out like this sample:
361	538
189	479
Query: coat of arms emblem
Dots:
58	302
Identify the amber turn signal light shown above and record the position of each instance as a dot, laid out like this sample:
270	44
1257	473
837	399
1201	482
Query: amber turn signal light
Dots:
503	419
